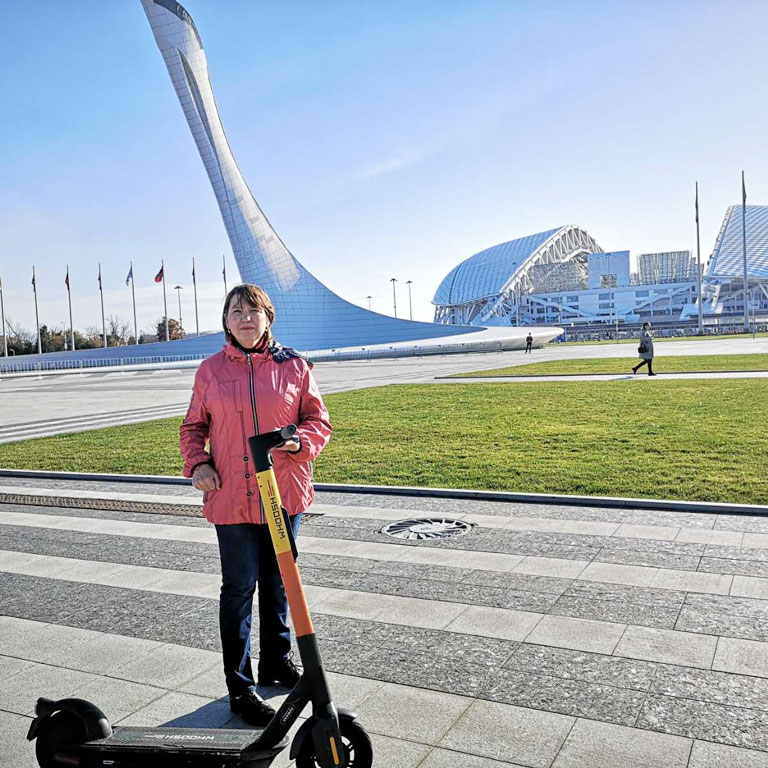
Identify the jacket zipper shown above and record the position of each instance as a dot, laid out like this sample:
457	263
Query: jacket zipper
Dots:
255	418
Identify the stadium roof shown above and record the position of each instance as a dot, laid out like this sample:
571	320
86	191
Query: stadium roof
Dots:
727	256
486	273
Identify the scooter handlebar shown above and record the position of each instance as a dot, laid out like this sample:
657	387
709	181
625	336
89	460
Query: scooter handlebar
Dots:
262	444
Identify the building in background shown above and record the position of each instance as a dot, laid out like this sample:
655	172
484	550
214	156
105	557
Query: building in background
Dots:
667	267
562	277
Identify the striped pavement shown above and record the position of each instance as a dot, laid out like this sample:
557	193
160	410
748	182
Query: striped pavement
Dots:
546	636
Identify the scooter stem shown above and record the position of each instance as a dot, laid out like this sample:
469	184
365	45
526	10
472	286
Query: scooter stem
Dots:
261	447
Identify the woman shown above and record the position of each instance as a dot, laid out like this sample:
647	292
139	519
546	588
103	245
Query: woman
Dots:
645	350
253	385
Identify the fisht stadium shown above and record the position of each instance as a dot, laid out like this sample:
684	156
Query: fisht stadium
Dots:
563	277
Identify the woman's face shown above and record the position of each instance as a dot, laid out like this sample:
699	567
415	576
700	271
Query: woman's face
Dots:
246	323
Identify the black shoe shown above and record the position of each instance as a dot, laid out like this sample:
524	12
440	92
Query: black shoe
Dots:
281	672
651	374
252	708
634	370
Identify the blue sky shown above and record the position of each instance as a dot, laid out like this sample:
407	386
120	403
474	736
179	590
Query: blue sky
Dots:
382	139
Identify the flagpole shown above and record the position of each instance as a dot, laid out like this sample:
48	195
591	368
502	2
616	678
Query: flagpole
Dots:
224	271
37	316
194	285
133	295
103	322
744	241
71	326
2	315
698	261
165	301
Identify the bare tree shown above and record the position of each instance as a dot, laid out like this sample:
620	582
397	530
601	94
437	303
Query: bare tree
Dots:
18	333
118	330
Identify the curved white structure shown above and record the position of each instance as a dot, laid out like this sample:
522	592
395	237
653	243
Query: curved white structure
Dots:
309	315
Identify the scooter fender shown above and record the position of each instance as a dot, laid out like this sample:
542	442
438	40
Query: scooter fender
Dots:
305	732
94	720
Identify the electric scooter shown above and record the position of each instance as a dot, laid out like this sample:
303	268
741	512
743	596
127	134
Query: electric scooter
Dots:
74	732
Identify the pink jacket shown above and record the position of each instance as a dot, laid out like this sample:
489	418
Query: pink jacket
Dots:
237	395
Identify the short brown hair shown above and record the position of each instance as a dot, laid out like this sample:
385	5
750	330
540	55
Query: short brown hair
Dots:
256	297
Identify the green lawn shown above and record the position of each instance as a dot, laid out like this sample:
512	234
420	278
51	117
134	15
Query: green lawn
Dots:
703	440
669	338
676	364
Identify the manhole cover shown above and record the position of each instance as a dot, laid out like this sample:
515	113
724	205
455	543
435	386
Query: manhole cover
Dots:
426	528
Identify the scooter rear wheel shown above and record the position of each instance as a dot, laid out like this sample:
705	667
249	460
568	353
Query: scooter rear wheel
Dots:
357	746
60	730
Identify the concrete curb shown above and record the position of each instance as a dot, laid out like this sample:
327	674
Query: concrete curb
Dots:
762	371
171	505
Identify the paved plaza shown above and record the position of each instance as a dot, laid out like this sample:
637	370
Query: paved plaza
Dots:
546	636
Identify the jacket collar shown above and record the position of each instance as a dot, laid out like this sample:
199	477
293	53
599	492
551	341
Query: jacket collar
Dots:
236	354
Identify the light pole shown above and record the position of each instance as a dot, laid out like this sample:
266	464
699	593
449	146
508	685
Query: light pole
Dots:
369	301
3	329
178	290
393	280
410	303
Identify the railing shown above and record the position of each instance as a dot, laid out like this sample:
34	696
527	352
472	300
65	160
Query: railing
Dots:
19	366
317	356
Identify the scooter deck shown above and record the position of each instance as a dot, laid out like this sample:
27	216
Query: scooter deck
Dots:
204	747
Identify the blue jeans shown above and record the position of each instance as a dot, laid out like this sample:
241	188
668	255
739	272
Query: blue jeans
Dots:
248	559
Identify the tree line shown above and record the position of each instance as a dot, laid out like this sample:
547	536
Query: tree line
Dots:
22	341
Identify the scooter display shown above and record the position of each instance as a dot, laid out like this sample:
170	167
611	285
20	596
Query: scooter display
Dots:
74	732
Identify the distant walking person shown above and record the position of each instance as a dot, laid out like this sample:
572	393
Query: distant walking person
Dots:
645	350
528	343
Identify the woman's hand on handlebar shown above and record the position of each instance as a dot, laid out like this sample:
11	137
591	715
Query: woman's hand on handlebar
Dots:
292	446
206	478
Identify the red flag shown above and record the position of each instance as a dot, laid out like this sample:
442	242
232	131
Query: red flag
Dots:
34	285
66	279
160	276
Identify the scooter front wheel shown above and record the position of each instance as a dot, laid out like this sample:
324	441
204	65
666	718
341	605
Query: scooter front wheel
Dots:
357	747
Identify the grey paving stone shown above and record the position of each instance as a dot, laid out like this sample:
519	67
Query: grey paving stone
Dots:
748	657
397	753
596	590
612	610
708	755
119	698
19	693
667	646
457	646
580	665
329	627
737	726
181	710
412	714
444	758
10	666
752	523
168	666
736	553
654	559
629	544
568	697
725	615
507	733
605	745
734	566
15	750
577	634
519	581
661	517
412	668
706	685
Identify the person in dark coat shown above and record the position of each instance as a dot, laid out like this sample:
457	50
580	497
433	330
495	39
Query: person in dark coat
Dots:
528	343
645	350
